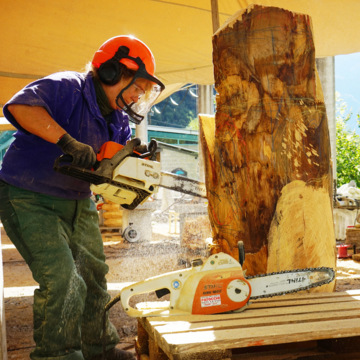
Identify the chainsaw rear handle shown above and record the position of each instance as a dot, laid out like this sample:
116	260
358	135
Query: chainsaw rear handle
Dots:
127	150
106	167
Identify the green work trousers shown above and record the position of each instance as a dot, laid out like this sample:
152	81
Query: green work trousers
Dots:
61	242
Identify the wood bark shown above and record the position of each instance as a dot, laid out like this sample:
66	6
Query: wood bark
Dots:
267	152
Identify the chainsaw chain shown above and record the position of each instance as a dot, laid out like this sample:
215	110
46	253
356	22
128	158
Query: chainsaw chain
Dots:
293	271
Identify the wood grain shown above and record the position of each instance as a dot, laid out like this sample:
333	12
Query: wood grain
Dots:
267	152
300	317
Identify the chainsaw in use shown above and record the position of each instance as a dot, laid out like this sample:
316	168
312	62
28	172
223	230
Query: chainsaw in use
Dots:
126	177
216	286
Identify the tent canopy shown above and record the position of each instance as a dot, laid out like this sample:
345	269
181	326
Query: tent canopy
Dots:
41	37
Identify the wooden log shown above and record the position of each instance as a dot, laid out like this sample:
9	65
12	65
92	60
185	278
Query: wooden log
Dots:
267	153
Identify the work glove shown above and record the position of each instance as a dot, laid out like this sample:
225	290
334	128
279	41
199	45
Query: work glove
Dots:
83	155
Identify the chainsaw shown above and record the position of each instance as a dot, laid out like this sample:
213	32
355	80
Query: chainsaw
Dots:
219	285
126	177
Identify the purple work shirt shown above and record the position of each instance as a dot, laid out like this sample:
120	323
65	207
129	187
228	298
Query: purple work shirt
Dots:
69	97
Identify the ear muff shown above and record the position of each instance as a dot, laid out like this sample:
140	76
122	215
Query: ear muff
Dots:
109	72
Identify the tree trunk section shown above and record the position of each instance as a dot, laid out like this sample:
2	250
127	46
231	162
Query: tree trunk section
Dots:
267	153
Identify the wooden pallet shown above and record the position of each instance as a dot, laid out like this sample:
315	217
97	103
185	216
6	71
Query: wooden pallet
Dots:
306	326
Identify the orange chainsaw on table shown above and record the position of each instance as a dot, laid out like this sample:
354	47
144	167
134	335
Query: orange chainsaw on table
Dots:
216	286
126	177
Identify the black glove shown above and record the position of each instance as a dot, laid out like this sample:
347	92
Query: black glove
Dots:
83	155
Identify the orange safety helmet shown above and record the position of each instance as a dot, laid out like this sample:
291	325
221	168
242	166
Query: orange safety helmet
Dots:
137	49
135	55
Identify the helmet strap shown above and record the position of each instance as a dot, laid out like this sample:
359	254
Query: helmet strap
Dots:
133	116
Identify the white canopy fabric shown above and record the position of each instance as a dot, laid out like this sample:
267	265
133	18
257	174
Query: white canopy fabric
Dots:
41	37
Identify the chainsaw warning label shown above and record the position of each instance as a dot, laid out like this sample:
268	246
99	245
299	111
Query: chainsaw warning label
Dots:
207	301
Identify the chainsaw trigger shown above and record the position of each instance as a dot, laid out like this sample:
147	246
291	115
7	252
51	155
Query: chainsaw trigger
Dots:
162	292
62	159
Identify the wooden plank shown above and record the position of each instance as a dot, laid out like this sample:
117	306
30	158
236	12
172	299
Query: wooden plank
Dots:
142	343
302	354
181	327
312	295
258	336
315	316
297	302
149	323
219	354
155	352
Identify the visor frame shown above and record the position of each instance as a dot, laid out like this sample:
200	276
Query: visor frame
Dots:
140	73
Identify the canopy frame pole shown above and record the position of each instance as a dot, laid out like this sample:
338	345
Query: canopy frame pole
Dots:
215	15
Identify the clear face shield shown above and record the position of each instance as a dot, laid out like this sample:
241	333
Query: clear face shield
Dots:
143	87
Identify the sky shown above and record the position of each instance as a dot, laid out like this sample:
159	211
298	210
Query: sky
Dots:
347	83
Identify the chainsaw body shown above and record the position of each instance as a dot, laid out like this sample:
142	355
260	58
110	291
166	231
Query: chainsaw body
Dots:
216	286
135	176
126	177
219	285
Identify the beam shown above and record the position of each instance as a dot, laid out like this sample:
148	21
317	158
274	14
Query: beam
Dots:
215	15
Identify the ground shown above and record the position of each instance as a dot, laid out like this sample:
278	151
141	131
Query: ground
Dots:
128	263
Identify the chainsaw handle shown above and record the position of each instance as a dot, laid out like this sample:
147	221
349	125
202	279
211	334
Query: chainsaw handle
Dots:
63	159
152	147
107	166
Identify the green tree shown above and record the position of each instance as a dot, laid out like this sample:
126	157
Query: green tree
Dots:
175	111
347	145
193	124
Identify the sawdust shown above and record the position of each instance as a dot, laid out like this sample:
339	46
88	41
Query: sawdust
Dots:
127	262
347	275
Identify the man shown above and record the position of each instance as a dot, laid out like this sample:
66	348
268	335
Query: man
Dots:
50	217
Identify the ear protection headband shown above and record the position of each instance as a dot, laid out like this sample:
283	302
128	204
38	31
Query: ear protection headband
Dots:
109	72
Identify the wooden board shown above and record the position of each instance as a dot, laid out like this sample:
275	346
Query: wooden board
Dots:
267	153
353	236
280	320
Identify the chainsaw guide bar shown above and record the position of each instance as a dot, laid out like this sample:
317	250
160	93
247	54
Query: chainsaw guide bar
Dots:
329	275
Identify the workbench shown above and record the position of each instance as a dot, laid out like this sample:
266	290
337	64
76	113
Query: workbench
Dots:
306	326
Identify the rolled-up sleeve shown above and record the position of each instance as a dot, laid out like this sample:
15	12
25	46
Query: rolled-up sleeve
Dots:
56	93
